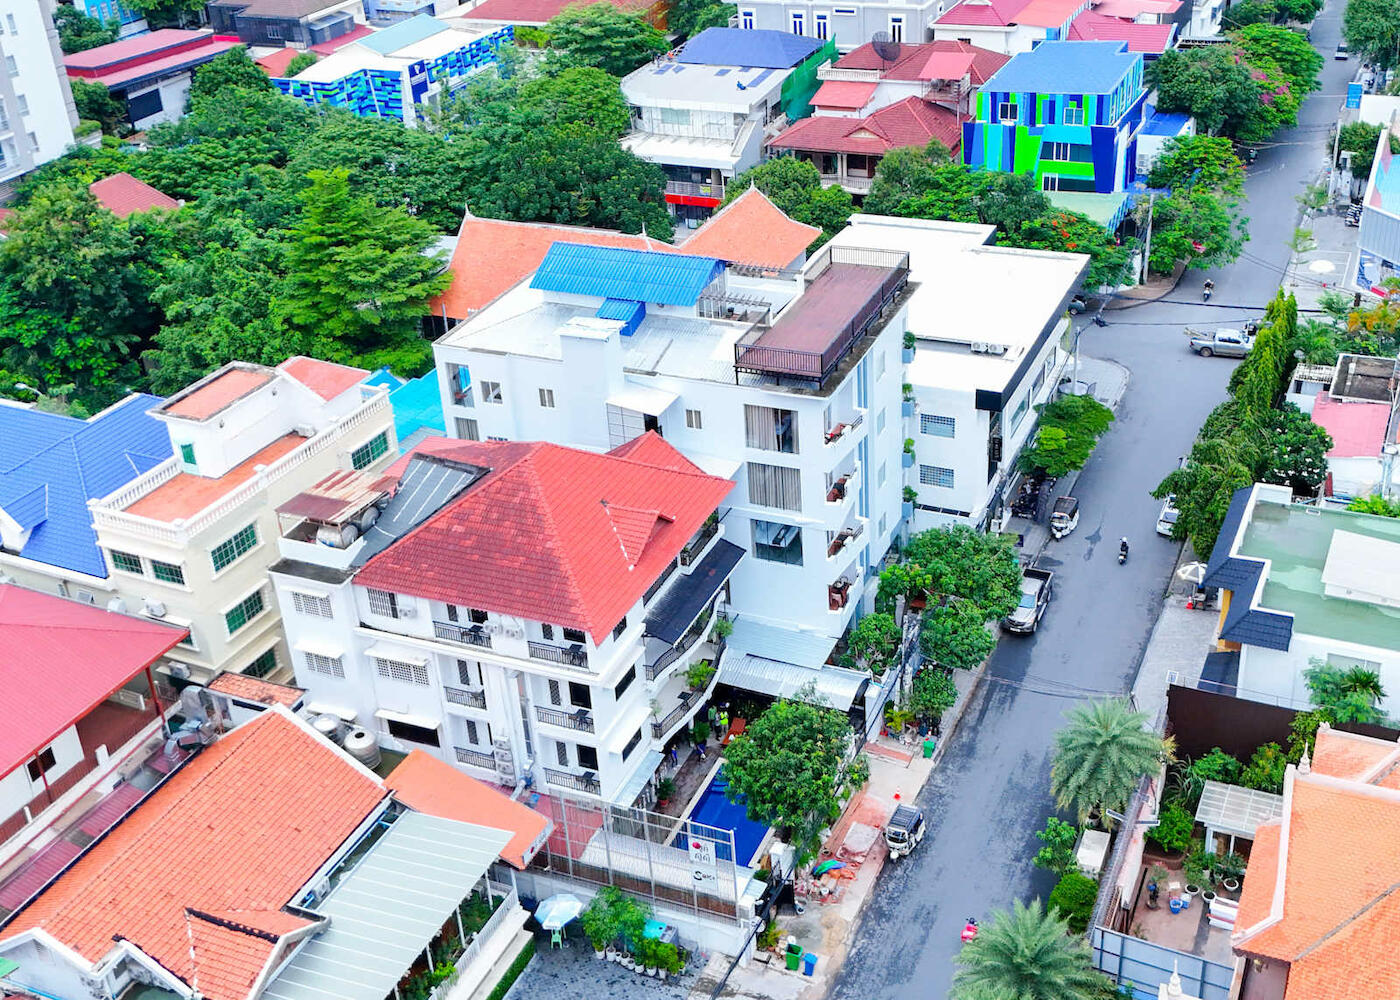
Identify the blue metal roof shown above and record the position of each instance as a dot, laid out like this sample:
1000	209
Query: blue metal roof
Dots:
53	465
417	407
1168	123
383	377
670	617
630	314
391	39
1065	68
749	48
637	275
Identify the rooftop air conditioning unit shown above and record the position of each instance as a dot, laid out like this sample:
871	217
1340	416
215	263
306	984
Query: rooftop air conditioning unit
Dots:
117	604
87	597
980	347
995	348
304	430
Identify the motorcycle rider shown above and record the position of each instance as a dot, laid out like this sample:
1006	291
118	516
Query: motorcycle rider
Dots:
1123	548
1207	289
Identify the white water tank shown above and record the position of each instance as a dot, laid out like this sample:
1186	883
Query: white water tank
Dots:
361	744
337	536
330	726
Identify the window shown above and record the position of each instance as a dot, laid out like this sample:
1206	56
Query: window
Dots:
1059	182
331	666
312	604
844	11
819	28
1039	381
187	453
632	744
561	753
880	365
42	764
620	628
1342	662
23	103
476	616
168	572
774	542
1056	151
932	423
263	665
11	19
464	673
10	65
244	611
1073	115
880	422
587	757
556	695
459	383
574	635
770	429
547	632
625	683
936	475
547	398
374	448
775	486
880	477
229	550
580	695
491	393
126	562
746	20
413	734
1019	414
692	420
675	116
1007	111
799	24
398	670
33	143
467	429
382	602
273	30
897	29
882	525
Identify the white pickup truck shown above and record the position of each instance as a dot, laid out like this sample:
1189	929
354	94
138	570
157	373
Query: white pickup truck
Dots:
1222	342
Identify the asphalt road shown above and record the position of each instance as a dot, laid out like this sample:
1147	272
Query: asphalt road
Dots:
991	792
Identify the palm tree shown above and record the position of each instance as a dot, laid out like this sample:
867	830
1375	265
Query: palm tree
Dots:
1026	954
1101	755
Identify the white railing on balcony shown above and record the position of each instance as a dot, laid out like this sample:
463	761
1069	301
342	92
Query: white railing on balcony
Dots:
110	512
473	950
827	71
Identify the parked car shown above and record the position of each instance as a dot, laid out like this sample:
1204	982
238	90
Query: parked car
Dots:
1226	343
1036	588
1168	516
1341	52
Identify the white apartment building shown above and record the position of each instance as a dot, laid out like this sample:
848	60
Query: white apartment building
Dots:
524	611
851	24
37	115
189	542
788	383
990	325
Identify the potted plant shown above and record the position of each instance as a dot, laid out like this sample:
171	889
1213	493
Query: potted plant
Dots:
1197	867
600	922
1229	869
910	495
665	788
908	346
908	453
698	675
647	949
723	628
668	960
907	405
1155	875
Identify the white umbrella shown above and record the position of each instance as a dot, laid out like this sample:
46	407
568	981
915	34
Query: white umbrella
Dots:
556	911
1192	572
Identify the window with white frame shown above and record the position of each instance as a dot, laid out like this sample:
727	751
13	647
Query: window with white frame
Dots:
746	20
938	426
1073	115
819	26
556	696
1007	111
547	398
561	754
244	611
880	478
675	116
491	392
1019	414
880	365
127	562
319	663
316	605
382	602
464	674
799	23
693	420
936	475
467	429
775	542
473	736
401	670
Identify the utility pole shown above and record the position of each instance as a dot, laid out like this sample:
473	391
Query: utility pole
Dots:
1147	243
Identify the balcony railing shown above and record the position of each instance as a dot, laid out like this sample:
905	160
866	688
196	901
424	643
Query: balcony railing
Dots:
580	719
841	430
683	646
662	726
839	542
837	493
837	594
691	553
575	656
461	696
695	190
473	636
578	782
474	757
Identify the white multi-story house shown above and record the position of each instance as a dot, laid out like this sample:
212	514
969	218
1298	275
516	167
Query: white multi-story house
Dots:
525	611
990	326
851	24
789	383
37	114
189	542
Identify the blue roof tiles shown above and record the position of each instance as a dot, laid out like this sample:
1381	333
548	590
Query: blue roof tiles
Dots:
1065	68
636	275
748	48
53	465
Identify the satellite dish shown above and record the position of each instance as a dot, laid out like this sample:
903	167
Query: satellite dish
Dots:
886	48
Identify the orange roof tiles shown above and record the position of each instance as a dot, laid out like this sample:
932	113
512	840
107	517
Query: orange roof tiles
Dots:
325	378
752	230
1350	755
123	195
276	63
424	783
217	391
256	689
654	449
228	951
1356	962
241	827
188	494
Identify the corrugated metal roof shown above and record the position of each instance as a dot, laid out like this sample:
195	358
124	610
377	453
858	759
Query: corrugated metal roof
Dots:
415	29
778	643
630	314
629	791
837	687
748	48
637	275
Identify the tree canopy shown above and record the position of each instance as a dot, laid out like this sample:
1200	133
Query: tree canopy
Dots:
795	186
1101	755
1195	228
874	642
1351	694
1027	954
955	635
78	31
1199	161
1372	30
960	563
228	71
690	17
1237	90
1360	139
1069	429
1289	50
602	36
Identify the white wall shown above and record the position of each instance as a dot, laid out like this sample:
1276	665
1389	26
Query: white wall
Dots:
174	94
1276	674
17	791
1008	41
31	41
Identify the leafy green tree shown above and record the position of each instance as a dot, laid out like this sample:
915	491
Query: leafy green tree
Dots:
228	71
955	635
1217	766
932	693
688	18
795	186
601	35
906	172
1265	771
874	642
1301	11
1196	228
1212	84
96	103
1100	755
1073	899
168	13
1173	830
1349	695
1372	30
1295	451
577	95
1377	505
358	276
1258	383
78	32
1285	48
78	167
1026	954
1249	12
1360	139
1203	488
958	562
301	61
1206	162
1302	732
1059	839
786	769
1069	429
1070	232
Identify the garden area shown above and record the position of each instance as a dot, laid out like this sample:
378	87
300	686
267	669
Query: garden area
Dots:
457	933
621	929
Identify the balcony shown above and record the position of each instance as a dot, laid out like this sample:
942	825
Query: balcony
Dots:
580	720
842	538
838	491
843	431
574	657
693	190
838	594
587	782
475	757
461	696
476	635
696	546
660	727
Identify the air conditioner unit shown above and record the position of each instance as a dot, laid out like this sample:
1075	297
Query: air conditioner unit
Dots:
980	347
996	348
87	597
408	611
153	609
304	430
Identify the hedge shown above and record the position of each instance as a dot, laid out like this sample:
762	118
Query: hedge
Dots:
513	973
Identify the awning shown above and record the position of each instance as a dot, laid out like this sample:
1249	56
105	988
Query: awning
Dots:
633	786
421	721
402	656
715	465
837	687
1236	810
327	649
775	642
325	708
387	908
690	593
715	154
643	399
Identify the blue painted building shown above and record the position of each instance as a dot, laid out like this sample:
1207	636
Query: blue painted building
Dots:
417	405
391	73
51	466
132	23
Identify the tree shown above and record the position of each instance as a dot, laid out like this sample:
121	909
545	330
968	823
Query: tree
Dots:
932	693
1203	488
1212	84
1173	830
688	18
1348	694
358	276
1290	51
1070	232
1377	505
1207	162
1360	139
1059	839
1372	30
786	768
228	71
795	186
1249	12
301	61
955	635
906	172
168	13
1026	954
577	95
78	32
78	167
601	35
1266	769
1073	898
96	103
874	642
1196	228
1069	429
958	562
1295	451
1100	756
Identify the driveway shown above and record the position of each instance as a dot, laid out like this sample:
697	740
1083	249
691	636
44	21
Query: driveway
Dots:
990	794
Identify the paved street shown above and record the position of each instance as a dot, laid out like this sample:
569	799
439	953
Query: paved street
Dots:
990	794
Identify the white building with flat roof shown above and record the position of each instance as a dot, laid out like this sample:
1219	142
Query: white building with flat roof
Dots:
37	114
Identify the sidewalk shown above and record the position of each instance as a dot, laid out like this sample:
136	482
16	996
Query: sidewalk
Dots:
1329	266
1180	640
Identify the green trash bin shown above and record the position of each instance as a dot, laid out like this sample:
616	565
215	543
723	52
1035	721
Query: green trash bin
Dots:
929	745
793	955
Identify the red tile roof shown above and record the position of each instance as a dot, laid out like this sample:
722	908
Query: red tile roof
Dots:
340	41
158	53
1092	27
1135	8
325	378
984	13
535	537
276	63
187	494
256	689
237	830
911	122
60	660
752	230
424	783
926	61
122	195
1047	13
1357	429
214	392
537	12
845	95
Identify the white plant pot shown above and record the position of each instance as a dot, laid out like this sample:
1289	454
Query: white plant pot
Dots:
611	955
1231	884
1192	890
599	954
661	974
651	971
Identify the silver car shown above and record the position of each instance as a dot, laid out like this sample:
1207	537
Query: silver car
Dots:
1167	518
1225	343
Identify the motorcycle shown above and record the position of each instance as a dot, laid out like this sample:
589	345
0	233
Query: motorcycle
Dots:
969	930
1123	552
1206	291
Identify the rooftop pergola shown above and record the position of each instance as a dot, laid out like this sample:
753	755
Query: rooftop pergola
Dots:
1235	811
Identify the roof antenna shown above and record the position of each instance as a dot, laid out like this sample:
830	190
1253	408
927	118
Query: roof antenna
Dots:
885	47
